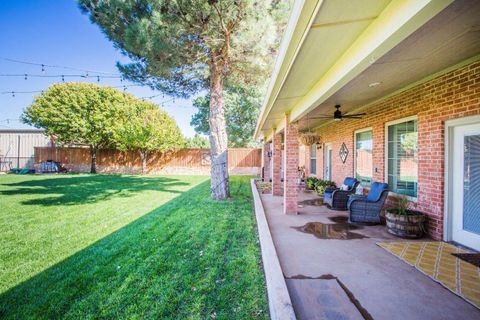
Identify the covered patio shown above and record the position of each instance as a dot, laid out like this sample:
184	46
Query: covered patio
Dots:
352	278
392	90
385	85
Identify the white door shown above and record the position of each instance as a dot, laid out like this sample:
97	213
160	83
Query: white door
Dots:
327	174
465	190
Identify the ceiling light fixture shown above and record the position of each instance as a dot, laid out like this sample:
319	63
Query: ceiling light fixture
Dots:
374	84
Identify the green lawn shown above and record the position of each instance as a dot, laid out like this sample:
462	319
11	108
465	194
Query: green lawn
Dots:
112	246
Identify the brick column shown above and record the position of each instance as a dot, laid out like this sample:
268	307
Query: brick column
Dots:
266	161
290	192
277	164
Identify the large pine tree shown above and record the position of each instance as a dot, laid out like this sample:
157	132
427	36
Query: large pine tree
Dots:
182	47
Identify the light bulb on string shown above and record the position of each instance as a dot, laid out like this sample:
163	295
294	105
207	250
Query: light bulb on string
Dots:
26	76
98	79
63	78
13	94
124	88
43	68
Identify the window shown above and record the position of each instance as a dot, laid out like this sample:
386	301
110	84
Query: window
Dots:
363	157
402	162
313	159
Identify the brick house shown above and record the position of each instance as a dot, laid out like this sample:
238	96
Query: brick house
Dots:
413	68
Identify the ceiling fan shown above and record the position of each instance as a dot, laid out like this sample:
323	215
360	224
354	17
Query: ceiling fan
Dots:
338	115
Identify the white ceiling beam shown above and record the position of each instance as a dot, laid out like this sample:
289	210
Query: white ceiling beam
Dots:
302	16
395	23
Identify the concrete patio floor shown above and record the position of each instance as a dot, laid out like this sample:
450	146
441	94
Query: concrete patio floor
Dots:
352	279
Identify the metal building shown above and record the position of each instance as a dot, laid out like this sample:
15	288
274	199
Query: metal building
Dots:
17	147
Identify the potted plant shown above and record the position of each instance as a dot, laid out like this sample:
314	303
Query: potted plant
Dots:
321	185
404	222
311	182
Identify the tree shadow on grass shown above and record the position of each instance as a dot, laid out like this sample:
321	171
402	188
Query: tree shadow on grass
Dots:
190	258
73	189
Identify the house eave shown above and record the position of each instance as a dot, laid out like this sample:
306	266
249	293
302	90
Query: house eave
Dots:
301	18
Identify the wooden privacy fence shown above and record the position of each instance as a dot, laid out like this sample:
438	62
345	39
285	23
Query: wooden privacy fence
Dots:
241	161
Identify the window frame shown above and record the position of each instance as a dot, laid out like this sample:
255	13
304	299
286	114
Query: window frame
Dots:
316	157
355	151
385	155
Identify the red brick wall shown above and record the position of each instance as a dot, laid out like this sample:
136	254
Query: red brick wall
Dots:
291	168
277	189
452	95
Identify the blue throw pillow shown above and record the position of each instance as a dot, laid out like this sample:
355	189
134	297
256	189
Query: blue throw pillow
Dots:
376	191
349	182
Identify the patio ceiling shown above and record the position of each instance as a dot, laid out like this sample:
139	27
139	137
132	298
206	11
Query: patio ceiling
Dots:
333	49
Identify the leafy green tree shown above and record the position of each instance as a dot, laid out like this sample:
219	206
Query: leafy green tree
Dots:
242	108
198	142
145	128
181	47
79	113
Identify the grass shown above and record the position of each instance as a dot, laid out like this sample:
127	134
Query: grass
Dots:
111	246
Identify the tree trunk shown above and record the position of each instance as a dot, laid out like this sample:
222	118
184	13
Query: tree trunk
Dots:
93	154
218	135
143	156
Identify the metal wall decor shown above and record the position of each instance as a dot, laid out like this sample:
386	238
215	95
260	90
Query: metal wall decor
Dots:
343	152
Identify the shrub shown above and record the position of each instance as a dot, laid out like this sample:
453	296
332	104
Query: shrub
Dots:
321	185
311	182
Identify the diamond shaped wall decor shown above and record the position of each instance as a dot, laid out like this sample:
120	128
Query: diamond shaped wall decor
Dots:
343	152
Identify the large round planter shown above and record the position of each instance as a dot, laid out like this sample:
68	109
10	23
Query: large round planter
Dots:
409	226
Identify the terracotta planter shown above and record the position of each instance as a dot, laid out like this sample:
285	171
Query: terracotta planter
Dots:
409	226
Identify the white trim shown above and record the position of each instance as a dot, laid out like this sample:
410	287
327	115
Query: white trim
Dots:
310	156
447	210
325	145
302	9
385	155
355	149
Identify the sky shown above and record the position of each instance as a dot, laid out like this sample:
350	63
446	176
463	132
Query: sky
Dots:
55	32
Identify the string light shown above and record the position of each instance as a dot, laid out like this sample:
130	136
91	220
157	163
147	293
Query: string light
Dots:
13	93
44	65
25	75
9	119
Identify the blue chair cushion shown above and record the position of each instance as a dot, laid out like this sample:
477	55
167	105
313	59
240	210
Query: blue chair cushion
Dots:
327	194
376	190
350	182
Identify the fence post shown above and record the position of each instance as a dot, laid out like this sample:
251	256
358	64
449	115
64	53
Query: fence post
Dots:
18	152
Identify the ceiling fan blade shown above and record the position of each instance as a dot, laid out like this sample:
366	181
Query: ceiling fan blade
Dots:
322	117
355	114
352	117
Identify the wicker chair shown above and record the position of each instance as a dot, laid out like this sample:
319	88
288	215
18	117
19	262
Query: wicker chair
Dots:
337	199
366	209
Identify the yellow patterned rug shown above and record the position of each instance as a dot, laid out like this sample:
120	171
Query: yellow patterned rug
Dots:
435	259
